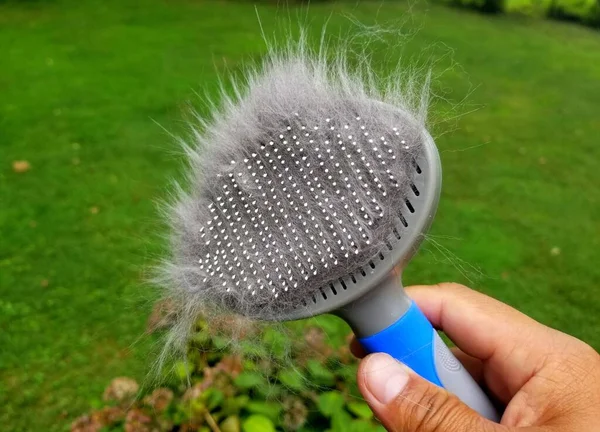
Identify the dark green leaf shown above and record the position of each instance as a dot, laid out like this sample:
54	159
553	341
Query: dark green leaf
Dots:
272	391
271	410
234	405
340	421
213	398
182	370
252	349
292	379
361	425
320	374
277	343
247	380
360	409
221	343
201	338
249	365
330	403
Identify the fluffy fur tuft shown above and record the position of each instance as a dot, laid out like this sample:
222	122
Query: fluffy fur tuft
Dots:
293	183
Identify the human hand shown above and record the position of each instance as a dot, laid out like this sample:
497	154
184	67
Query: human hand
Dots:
548	381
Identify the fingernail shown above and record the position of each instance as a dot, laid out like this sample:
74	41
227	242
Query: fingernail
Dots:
385	377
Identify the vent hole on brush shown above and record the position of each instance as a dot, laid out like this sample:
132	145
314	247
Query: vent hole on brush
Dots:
314	299
410	206
333	289
414	189
323	294
381	257
353	278
372	264
417	167
401	217
362	272
389	245
304	303
396	233
342	283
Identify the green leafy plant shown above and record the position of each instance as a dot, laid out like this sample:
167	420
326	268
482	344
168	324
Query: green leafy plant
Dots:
485	6
584	11
288	380
587	11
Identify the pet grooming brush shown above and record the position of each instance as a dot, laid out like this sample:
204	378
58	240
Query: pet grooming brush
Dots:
306	193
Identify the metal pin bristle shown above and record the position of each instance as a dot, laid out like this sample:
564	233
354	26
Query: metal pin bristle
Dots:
375	188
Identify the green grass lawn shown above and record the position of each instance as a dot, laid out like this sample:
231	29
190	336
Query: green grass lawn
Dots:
84	85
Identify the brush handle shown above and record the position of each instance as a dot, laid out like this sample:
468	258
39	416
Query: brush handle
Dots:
413	341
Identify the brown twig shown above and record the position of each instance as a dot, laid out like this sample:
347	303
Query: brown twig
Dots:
211	422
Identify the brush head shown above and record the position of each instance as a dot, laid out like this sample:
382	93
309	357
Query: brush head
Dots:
294	186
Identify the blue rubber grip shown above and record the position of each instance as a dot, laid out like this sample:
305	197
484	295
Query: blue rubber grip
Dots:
410	340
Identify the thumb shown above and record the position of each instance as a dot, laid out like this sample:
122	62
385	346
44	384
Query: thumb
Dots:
405	402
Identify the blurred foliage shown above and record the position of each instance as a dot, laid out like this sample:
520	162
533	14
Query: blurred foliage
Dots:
586	11
583	11
486	6
271	381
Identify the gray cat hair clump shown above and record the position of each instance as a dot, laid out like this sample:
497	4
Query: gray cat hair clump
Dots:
293	182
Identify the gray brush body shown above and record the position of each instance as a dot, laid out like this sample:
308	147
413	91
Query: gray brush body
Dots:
293	186
298	186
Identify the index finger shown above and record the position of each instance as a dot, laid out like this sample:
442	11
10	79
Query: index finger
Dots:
510	344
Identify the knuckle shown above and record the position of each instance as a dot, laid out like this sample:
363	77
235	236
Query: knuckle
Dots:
588	352
578	360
